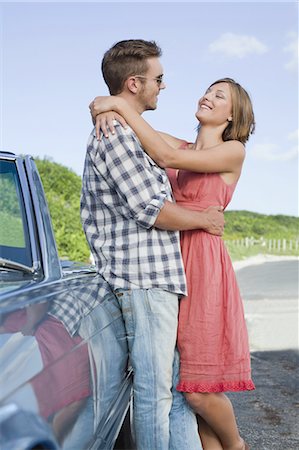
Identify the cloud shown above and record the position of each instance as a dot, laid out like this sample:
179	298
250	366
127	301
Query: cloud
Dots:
292	49
272	152
234	45
294	136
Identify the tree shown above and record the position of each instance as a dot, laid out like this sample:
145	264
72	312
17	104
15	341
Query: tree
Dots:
63	188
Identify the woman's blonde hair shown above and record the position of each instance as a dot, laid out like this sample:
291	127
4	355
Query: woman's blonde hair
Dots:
243	123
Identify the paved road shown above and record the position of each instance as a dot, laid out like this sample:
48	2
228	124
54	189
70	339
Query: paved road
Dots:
270	295
276	280
269	416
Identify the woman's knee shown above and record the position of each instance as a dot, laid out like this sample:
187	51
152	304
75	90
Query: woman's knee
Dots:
194	399
200	401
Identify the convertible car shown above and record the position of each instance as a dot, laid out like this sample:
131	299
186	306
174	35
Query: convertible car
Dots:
53	395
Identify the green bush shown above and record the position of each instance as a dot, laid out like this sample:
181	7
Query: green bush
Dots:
241	224
63	188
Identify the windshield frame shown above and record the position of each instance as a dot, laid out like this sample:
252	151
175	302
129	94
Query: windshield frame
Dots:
19	254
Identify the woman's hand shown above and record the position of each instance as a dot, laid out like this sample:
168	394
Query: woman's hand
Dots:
104	123
102	104
104	110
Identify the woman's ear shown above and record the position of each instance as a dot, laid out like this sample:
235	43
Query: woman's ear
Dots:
230	119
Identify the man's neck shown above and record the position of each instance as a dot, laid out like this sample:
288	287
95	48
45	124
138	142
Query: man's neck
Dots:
132	100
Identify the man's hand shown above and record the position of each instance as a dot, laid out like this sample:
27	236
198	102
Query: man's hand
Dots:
174	217
215	220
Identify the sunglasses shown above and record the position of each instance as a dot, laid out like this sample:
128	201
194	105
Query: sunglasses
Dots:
159	79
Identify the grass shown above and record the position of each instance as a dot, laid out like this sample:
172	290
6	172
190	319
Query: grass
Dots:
11	231
238	253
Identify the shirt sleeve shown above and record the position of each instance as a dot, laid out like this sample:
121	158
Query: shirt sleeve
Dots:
142	187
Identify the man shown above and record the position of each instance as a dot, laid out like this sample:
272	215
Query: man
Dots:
132	226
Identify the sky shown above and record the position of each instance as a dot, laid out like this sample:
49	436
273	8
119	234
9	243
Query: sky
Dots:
51	55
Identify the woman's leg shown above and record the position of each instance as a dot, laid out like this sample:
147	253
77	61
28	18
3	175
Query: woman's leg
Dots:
209	438
216	409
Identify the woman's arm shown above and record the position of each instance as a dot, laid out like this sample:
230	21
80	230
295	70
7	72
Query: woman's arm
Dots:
104	122
173	141
225	157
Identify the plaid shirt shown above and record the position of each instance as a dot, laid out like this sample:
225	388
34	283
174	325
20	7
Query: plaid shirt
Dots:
77	300
123	192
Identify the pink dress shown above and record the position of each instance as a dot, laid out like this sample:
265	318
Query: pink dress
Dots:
65	378
212	333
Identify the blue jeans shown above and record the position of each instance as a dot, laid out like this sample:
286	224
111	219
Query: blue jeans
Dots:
162	418
82	431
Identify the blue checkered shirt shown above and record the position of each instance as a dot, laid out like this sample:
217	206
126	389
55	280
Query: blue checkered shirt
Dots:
122	194
77	300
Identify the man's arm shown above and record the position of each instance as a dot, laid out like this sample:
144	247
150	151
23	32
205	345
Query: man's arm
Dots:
174	217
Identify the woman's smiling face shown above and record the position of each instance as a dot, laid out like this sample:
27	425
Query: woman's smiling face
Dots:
215	106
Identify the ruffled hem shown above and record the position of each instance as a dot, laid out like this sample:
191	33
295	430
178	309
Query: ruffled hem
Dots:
224	386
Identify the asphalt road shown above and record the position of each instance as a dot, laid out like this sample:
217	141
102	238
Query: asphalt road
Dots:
268	417
277	280
270	297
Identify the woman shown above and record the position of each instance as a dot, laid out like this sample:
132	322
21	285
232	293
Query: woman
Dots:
212	334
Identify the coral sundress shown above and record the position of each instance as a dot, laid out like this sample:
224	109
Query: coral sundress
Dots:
212	333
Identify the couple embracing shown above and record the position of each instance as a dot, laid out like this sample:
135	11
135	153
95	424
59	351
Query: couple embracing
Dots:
152	211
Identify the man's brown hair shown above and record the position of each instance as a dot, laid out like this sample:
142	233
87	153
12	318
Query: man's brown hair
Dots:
125	59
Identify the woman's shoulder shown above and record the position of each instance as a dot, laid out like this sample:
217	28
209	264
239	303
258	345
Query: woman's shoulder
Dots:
234	147
234	144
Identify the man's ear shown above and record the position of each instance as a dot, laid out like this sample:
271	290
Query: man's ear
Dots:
132	85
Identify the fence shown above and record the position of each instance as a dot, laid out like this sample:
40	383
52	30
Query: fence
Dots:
271	245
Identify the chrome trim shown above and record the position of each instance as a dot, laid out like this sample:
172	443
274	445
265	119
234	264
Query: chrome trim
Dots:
49	254
9	264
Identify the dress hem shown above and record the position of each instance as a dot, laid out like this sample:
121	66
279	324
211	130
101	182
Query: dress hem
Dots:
233	386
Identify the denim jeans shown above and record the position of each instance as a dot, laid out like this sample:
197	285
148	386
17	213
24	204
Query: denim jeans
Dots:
162	417
82	431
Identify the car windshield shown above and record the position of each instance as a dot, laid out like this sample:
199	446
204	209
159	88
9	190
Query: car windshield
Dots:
14	235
